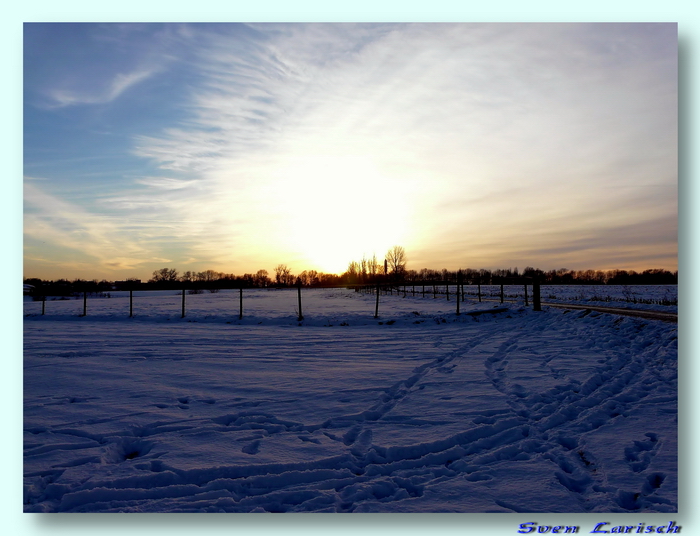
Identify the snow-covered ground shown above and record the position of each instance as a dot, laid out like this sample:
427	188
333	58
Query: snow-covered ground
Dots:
419	410
645	297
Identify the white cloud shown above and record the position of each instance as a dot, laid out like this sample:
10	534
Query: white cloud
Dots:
100	238
166	183
109	92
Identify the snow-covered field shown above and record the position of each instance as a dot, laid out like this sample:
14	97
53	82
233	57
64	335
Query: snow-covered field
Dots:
645	297
420	410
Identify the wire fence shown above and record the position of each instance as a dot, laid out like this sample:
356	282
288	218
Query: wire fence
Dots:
457	294
238	302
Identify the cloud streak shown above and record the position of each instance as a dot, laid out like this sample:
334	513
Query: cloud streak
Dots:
85	239
113	90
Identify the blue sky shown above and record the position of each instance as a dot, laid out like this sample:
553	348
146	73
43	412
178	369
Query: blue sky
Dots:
238	147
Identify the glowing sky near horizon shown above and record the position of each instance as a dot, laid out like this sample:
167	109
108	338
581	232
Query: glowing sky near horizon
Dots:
238	147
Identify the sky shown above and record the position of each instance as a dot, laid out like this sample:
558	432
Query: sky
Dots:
238	147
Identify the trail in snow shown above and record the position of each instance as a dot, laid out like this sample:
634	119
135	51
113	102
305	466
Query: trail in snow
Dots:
520	411
654	315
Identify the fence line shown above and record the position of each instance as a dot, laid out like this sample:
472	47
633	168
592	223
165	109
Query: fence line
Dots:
460	294
439	288
449	290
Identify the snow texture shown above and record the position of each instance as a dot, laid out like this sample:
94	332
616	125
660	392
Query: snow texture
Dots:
420	410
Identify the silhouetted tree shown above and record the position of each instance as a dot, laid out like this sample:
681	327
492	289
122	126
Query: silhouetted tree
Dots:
164	275
396	259
188	277
529	271
261	278
374	268
312	278
283	275
352	273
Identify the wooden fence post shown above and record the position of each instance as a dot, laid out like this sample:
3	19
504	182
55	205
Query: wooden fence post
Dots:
84	303
240	303
301	316
459	282
525	285
501	292
183	303
43	305
447	290
131	303
479	290
536	305
376	305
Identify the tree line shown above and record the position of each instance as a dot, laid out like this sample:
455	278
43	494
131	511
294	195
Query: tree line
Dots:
371	270
171	278
560	276
563	276
393	269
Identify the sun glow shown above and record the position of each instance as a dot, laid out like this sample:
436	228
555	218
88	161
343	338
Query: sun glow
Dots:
339	209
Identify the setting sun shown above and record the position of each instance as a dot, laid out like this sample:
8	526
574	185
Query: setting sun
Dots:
339	208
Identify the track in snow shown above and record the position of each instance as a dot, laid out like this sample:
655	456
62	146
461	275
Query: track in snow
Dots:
652	315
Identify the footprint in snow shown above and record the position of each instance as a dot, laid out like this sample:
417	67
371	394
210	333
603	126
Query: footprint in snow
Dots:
309	439
362	444
630	500
127	448
252	448
639	455
478	477
351	435
653	483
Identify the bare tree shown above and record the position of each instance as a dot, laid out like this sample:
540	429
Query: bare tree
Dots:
289	278
261	278
312	276
188	277
352	272
164	275
373	267
283	275
208	276
396	259
363	269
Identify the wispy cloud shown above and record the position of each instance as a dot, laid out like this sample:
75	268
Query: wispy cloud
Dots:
98	239
165	183
109	92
